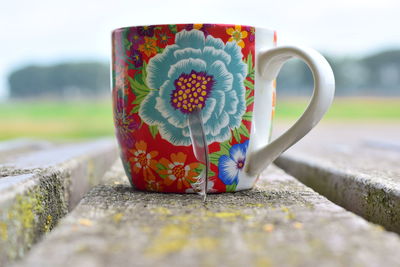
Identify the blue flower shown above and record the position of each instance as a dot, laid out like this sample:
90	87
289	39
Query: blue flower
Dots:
230	166
136	57
195	72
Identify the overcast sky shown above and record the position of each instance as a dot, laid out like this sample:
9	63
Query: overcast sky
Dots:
49	31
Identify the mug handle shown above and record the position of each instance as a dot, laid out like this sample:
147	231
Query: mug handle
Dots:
268	66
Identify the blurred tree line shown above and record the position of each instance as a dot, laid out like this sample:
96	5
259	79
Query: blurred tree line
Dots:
67	80
374	75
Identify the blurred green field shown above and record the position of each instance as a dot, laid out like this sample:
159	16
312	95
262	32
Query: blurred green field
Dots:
55	120
345	109
77	120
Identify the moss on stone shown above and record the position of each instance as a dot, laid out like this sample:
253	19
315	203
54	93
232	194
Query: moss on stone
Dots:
48	224
117	217
382	208
173	238
29	216
3	231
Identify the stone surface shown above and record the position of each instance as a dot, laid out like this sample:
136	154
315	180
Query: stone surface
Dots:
14	147
38	185
355	166
279	223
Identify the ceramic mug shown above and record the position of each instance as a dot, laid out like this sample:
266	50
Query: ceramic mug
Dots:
161	73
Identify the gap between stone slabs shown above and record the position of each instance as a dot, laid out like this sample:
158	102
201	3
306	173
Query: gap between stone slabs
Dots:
38	187
355	166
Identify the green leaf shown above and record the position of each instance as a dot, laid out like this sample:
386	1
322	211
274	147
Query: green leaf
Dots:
249	62
163	175
138	99
236	134
173	28
144	72
243	130
138	88
137	82
250	66
214	160
160	166
199	169
231	188
225	148
159	49
135	109
248	84
214	157
153	130
248	116
126	43
248	92
138	76
249	100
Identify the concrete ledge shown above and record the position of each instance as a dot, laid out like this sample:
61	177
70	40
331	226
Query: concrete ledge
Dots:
355	166
11	148
279	223
37	188
372	195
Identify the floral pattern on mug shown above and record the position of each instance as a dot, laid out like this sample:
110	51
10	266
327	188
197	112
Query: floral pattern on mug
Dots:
125	124
231	165
195	72
160	74
176	170
237	35
143	162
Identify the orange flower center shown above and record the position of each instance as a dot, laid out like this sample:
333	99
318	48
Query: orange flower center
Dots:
142	159
178	171
237	35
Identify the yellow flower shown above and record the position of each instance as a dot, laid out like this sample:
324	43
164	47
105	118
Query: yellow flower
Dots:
197	26
237	35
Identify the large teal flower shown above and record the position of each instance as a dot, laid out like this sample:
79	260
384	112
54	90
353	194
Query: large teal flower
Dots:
195	72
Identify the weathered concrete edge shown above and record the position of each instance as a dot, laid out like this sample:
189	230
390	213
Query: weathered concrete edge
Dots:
18	144
34	204
14	147
92	166
368	196
32	208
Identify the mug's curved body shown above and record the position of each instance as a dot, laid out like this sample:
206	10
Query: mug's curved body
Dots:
163	75
160	74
